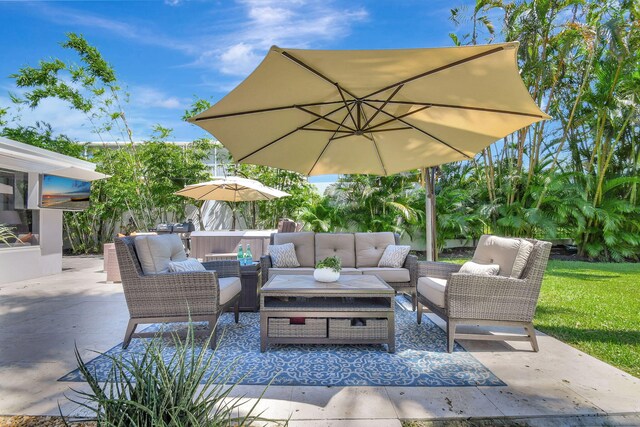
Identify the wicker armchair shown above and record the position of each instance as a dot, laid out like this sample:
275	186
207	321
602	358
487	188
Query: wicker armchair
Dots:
172	297
487	300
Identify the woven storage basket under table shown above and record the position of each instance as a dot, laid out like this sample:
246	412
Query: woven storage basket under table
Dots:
373	329
312	328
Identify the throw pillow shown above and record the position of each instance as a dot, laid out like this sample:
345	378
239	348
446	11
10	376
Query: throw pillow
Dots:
522	257
283	256
471	267
190	264
394	256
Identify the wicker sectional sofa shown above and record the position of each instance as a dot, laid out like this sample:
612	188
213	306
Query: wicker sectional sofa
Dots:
359	252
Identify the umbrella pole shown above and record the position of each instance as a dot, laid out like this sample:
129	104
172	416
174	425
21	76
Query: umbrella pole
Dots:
430	210
233	217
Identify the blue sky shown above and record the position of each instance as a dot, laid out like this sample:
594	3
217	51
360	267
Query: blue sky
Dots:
167	52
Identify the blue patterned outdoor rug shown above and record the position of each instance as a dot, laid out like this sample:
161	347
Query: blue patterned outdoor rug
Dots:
421	358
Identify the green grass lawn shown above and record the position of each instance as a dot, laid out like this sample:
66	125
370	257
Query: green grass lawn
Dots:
594	307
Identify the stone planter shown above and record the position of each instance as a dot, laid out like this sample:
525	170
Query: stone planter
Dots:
325	275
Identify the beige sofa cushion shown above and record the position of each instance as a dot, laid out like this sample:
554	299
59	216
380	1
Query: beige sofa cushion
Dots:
155	252
510	254
432	289
229	288
393	275
371	246
304	244
341	245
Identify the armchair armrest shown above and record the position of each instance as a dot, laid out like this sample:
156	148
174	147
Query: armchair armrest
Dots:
173	294
441	270
411	264
224	268
265	265
490	298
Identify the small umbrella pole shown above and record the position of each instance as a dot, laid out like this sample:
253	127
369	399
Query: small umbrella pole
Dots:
430	210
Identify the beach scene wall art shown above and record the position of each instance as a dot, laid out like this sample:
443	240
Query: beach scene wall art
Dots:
64	193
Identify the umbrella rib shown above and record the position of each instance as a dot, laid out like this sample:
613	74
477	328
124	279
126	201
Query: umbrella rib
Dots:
331	139
325	117
399	117
284	136
438	69
328	130
264	110
384	104
314	71
375	144
388	129
345	103
463	107
426	133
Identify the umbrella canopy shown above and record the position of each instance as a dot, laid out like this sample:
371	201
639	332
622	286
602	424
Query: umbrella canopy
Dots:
375	111
231	189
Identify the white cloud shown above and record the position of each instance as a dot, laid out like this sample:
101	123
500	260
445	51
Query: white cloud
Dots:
150	97
173	2
290	23
238	59
138	31
55	112
235	46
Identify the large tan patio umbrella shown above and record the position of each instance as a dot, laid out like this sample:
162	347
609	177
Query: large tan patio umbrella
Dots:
372	111
231	189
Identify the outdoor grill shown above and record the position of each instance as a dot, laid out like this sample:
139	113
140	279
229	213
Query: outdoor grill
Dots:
184	229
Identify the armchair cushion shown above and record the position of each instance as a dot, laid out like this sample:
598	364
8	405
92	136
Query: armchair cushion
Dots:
189	264
509	253
371	246
229	288
303	243
283	256
156	251
433	289
471	267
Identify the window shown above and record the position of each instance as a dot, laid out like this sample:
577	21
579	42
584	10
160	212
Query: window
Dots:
19	224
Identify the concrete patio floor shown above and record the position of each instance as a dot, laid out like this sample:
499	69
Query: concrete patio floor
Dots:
41	319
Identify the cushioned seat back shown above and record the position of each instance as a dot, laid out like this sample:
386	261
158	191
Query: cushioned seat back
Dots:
341	245
303	243
155	252
510	254
371	246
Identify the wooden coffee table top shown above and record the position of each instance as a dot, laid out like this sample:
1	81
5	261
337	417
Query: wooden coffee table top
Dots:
346	284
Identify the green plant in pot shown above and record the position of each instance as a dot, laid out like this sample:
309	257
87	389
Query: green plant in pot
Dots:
328	270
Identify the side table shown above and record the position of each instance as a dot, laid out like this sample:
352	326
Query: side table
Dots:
249	296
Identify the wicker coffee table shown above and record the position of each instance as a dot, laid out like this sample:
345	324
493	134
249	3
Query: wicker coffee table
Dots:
354	310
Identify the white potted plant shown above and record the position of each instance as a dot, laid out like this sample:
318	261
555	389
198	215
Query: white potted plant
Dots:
328	270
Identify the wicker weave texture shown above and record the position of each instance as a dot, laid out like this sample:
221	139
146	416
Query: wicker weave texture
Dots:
495	298
170	294
312	328
374	329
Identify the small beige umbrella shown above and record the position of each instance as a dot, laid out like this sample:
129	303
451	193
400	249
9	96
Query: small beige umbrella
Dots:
231	189
372	111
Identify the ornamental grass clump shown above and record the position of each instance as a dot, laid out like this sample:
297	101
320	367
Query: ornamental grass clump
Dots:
147	390
332	262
